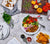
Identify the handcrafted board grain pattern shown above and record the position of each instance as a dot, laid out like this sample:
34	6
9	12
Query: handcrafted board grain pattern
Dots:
33	11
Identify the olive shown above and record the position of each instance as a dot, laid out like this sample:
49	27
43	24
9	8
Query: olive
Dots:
22	36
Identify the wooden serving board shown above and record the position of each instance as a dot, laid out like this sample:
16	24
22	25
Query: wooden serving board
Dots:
30	9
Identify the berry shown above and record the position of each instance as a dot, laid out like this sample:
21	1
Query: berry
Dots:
22	36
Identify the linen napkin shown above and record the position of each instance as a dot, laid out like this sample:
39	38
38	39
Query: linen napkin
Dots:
14	41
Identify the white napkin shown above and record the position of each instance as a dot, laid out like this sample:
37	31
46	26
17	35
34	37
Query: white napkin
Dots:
14	41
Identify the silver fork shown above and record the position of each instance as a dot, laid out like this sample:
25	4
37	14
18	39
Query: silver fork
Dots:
42	25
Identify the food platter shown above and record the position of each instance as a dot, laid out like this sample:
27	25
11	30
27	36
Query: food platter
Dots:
36	9
44	32
25	30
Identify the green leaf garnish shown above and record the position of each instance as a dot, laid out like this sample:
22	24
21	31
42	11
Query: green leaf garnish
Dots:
6	17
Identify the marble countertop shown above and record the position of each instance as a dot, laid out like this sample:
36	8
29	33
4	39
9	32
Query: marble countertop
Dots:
17	31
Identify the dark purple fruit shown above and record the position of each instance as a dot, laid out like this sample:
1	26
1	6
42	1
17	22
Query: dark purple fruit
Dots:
22	36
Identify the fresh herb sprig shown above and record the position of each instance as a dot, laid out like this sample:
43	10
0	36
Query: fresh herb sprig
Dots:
6	17
27	5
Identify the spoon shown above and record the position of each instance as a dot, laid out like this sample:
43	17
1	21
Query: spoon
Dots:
38	17
24	38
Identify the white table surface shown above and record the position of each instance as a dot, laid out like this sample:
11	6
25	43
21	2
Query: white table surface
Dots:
17	31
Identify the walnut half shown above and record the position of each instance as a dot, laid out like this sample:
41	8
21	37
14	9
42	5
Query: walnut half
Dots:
7	5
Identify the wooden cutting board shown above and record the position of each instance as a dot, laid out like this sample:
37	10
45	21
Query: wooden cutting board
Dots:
30	9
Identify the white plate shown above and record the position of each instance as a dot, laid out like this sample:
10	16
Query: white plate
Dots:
25	30
5	30
5	2
10	11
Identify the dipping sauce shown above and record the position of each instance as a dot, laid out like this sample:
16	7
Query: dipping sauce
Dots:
29	39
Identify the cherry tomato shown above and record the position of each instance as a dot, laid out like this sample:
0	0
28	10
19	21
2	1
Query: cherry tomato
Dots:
30	22
26	21
47	4
29	39
35	19
49	7
45	8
